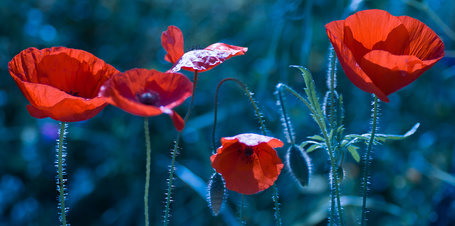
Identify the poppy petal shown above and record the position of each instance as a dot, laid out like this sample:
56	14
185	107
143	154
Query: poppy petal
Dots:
424	42
350	66
381	53
252	171
61	83
270	166
208	58
234	50
238	175
391	72
366	30
172	42
167	90
252	139
178	122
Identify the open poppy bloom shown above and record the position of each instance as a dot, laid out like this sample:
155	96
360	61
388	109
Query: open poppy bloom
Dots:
61	83
381	53
248	162
200	60
148	93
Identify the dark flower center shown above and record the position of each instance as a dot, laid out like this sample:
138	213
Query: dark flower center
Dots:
247	154
76	94
195	47
148	98
248	151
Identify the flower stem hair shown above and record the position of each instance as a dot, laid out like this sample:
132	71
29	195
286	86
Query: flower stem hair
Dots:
367	159
174	155
60	165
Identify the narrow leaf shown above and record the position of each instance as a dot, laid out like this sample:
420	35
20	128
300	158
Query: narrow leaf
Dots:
353	150
317	137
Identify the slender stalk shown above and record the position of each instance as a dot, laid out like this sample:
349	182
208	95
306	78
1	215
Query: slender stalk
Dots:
332	127
248	93
61	181
174	155
367	160
323	128
332	89
147	170
285	116
277	205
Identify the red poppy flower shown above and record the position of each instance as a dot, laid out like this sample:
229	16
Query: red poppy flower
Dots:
148	93
248	162
381	53
61	83
200	60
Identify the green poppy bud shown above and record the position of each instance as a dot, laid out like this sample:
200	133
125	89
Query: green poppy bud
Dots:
217	193
299	165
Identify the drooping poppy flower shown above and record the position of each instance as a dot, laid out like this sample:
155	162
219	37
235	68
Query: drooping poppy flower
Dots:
200	60
248	162
61	83
148	93
381	53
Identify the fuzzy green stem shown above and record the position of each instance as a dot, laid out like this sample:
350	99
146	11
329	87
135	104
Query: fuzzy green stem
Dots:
367	160
332	126
332	89
61	182
174	155
248	93
323	128
147	170
277	205
284	112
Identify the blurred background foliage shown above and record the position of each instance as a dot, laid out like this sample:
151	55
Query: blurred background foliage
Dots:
412	180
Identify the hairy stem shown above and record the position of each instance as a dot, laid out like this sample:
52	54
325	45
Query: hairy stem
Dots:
61	181
147	170
174	155
367	160
285	116
332	90
250	96
277	205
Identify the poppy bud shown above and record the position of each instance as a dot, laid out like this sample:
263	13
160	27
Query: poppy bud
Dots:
217	193
299	165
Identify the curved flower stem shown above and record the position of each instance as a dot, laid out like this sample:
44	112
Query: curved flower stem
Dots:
323	128
147	170
174	155
261	121
285	115
60	167
367	160
250	96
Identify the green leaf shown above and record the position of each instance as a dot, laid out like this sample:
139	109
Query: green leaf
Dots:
317	137
353	150
310	90
384	137
313	147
